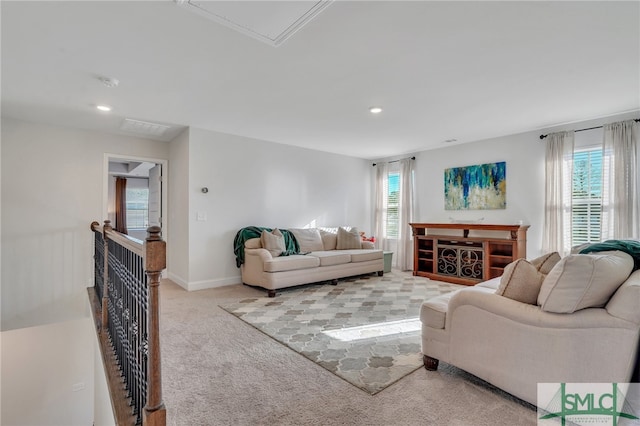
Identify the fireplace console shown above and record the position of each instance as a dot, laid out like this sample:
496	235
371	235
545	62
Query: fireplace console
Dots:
481	251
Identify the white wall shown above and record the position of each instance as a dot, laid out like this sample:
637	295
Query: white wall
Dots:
254	182
524	154
102	408
52	188
178	250
48	375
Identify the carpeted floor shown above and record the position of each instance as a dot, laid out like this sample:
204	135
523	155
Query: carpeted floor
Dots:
218	370
365	330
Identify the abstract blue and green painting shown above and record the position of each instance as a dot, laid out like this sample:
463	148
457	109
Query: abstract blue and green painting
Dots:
480	187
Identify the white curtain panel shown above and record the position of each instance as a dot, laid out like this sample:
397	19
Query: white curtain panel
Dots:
620	205
382	176
557	197
404	255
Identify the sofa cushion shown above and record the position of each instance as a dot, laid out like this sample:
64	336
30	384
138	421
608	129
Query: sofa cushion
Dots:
273	242
364	255
521	281
291	263
308	239
329	238
433	312
545	263
348	239
492	283
577	249
331	257
582	281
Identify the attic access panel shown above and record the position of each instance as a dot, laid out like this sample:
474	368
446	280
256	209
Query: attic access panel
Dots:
271	22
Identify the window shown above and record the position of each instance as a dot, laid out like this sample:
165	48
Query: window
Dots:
586	210
392	217
137	208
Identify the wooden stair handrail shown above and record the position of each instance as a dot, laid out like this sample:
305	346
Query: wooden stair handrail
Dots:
153	252
126	241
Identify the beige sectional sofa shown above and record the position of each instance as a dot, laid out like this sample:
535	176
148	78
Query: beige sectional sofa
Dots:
584	326
322	258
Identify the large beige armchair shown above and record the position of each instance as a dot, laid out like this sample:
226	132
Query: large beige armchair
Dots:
515	345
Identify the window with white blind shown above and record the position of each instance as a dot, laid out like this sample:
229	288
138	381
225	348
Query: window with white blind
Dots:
392	215
137	208
586	211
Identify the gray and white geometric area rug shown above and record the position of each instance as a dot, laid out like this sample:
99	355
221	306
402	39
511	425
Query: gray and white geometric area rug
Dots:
365	330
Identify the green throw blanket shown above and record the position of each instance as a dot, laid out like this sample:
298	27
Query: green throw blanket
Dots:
249	232
631	247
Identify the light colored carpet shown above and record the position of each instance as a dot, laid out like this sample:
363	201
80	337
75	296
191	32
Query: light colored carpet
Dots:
221	371
365	329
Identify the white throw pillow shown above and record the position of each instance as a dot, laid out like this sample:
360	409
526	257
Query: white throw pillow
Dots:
582	281
273	242
348	239
308	239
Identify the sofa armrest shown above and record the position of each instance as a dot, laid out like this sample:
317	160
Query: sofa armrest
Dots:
532	315
368	245
253	243
257	253
253	267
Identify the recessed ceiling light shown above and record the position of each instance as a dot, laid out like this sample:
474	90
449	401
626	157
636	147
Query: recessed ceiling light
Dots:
105	108
375	110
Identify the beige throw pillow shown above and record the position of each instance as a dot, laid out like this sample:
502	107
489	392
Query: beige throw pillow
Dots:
348	239
273	242
308	239
582	281
546	262
521	281
329	239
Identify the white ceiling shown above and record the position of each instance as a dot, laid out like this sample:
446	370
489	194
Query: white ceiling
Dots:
272	22
441	70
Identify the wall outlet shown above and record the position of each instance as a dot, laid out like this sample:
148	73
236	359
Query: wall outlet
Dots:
201	216
77	387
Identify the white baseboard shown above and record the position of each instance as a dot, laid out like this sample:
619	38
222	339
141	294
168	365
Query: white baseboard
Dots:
220	282
178	280
204	284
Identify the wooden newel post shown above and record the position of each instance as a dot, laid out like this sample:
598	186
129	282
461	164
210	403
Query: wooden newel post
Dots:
105	275
155	260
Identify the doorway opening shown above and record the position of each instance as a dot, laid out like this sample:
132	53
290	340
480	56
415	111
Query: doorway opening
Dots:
135	194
